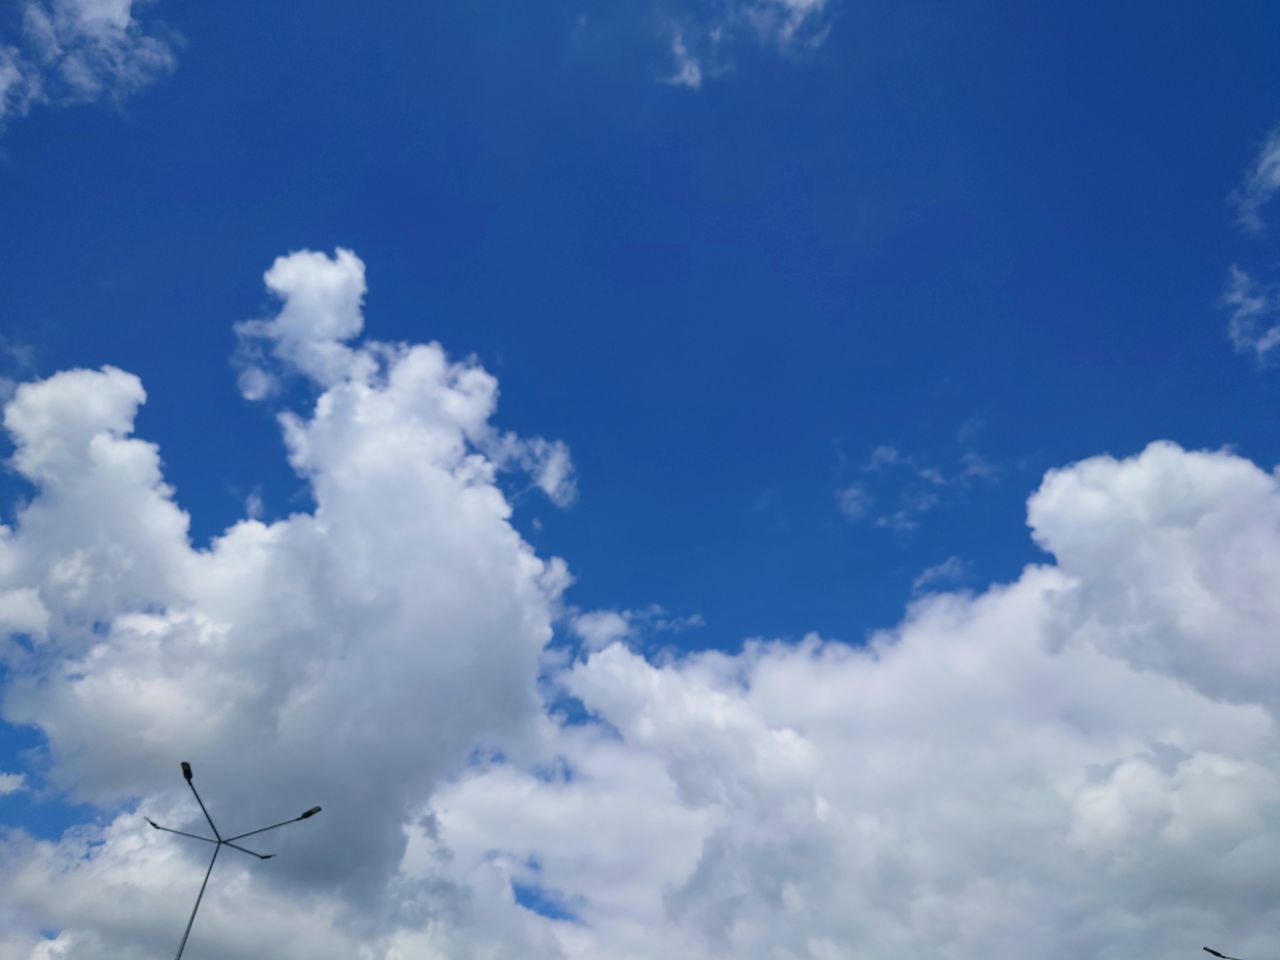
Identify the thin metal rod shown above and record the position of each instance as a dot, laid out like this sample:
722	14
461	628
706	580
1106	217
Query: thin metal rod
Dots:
206	812
260	856
282	823
1217	954
181	833
199	897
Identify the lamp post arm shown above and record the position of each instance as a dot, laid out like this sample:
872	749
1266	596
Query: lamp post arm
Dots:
235	846
206	812
282	823
181	833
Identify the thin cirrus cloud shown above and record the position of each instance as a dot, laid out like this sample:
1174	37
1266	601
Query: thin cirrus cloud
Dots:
1253	305
950	570
703	34
63	52
1259	186
1081	762
1253	324
909	486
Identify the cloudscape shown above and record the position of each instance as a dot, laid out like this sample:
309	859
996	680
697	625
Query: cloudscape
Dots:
784	480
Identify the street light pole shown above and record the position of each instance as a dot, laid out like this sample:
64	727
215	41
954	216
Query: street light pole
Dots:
219	842
1223	956
200	896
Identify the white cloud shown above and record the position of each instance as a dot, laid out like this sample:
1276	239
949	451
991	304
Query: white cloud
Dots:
785	22
950	569
885	456
853	501
351	656
974	466
913	486
76	51
1083	762
12	783
322	302
552	469
254	508
688	71
599	628
1254	324
1259	186
703	34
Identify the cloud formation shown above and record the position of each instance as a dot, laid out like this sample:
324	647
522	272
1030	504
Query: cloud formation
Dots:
12	783
75	51
1259	186
1079	763
703	34
949	570
1254	322
598	629
913	487
352	655
1082	762
1253	305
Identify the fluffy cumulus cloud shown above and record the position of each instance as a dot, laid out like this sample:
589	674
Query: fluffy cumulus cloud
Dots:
351	655
1081	762
703	34
74	51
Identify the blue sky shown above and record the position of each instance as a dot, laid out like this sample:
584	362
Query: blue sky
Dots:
722	299
810	328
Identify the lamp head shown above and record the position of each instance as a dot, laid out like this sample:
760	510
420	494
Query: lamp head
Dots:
310	813
186	769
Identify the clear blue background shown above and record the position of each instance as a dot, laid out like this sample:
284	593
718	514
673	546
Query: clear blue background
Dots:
990	227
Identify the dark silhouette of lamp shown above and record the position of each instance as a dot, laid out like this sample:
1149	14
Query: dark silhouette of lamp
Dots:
1217	954
219	841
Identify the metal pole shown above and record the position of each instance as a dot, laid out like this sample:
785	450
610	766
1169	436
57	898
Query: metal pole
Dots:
219	841
199	896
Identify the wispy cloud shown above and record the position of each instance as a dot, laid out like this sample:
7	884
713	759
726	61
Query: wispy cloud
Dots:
599	628
1252	304
65	52
12	783
883	456
688	71
17	359
910	484
703	37
1254	323
853	501
1260	185
949	570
